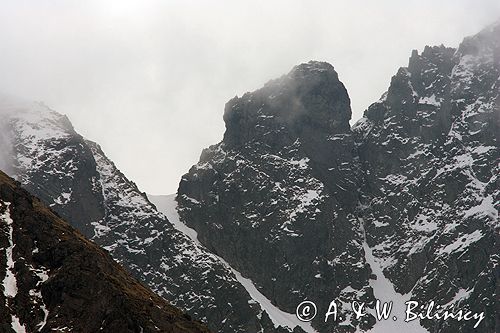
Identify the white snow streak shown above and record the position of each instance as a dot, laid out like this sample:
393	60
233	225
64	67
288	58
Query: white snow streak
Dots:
43	275
384	291
462	243
432	100
10	282
17	326
168	206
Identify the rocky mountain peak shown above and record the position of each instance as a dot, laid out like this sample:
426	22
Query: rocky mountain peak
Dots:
439	57
284	177
406	201
309	100
435	77
313	68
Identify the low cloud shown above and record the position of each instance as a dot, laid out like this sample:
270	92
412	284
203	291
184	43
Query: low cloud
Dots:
150	78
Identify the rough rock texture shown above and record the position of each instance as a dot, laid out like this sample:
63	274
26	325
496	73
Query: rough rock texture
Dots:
431	157
291	196
77	180
168	261
56	280
276	198
51	160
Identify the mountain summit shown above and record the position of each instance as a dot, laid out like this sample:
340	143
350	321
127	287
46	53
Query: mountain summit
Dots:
277	197
307	101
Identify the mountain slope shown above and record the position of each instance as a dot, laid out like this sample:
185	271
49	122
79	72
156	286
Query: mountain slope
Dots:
431	158
55	279
43	151
167	205
175	267
77	180
406	204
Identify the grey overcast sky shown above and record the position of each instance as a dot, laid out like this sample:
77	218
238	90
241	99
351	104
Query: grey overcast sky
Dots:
148	80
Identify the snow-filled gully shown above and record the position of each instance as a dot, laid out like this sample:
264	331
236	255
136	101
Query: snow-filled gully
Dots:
383	289
277	316
9	282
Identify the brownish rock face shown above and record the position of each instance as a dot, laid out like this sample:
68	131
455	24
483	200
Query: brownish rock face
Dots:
56	279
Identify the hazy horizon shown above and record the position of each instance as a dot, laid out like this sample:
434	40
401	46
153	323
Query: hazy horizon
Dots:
148	80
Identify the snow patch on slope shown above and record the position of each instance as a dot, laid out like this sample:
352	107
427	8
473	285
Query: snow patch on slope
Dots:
168	206
383	289
10	282
462	243
43	274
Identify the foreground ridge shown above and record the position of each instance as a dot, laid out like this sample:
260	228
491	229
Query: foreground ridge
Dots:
55	279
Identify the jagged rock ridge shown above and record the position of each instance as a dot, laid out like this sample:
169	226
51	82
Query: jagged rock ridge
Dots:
290	199
431	195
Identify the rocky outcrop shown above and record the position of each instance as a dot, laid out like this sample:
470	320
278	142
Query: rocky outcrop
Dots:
276	198
429	150
56	280
307	208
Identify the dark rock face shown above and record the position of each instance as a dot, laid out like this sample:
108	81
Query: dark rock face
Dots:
283	197
56	280
54	162
153	250
307	102
430	154
310	105
276	198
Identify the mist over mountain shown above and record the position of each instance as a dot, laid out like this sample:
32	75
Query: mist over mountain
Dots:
75	178
295	204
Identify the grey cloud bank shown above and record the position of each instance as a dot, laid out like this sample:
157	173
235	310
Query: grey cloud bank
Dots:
148	80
